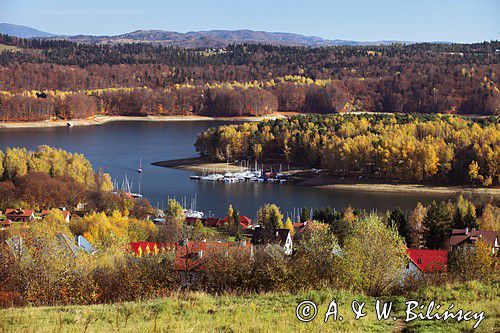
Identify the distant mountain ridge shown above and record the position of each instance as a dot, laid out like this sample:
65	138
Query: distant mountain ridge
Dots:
192	39
23	31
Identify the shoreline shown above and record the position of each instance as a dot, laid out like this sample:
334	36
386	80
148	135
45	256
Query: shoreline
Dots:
300	177
100	120
410	189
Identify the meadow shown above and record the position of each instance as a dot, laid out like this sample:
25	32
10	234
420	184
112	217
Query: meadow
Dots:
273	312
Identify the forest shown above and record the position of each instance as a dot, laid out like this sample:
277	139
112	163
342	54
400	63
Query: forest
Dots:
50	177
403	147
47	79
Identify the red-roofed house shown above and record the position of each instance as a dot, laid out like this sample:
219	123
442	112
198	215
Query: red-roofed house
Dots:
299	227
5	224
426	261
20	215
66	214
150	248
244	221
189	256
466	237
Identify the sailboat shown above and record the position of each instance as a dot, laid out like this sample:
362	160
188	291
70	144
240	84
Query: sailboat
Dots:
140	166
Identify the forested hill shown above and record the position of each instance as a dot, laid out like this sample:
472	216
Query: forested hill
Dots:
191	39
40	79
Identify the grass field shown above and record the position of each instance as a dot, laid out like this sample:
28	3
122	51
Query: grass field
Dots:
199	312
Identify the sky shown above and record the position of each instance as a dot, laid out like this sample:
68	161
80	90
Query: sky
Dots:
362	20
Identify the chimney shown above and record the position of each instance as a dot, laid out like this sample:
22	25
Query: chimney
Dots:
466	230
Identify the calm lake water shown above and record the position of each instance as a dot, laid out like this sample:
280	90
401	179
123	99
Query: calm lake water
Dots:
116	148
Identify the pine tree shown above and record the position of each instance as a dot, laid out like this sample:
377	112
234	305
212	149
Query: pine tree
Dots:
397	219
437	225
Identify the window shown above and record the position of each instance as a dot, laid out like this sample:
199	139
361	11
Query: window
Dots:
419	261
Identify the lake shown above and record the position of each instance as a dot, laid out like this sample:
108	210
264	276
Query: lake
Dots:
116	148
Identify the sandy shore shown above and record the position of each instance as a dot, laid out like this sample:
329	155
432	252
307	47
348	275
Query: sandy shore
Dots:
99	120
306	177
412	188
371	185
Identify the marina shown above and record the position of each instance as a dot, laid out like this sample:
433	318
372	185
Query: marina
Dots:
246	174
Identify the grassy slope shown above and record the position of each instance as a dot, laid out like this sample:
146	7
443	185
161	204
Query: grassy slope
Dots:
197	312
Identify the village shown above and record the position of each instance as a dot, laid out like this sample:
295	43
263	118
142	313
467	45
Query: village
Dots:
190	255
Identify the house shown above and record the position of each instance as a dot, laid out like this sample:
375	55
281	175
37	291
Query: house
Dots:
66	214
468	238
425	261
65	243
428	261
282	237
5	224
213	222
20	215
85	245
190	256
299	227
140	249
245	222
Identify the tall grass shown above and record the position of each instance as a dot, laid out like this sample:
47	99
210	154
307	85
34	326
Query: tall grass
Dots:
273	312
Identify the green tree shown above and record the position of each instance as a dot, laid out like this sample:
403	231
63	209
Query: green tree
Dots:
397	219
269	216
437	225
465	214
304	214
373	256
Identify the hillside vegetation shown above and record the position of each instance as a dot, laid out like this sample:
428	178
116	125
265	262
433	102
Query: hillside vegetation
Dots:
67	80
418	148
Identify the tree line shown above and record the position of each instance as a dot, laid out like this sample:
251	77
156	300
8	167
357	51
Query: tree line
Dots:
425	78
50	177
447	149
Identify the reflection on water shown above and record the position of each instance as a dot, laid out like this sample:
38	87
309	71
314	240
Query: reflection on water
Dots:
117	147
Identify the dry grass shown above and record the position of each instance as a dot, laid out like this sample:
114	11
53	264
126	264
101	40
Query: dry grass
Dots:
199	312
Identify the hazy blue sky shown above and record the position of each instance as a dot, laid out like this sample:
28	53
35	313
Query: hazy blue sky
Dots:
414	20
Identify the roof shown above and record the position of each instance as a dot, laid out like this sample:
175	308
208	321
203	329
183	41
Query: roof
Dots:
300	226
6	222
18	212
260	236
84	244
189	256
142	247
429	260
460	236
244	221
44	213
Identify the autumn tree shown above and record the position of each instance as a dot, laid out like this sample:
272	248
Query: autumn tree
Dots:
416	226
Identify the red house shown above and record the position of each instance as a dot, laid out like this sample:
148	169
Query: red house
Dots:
244	221
20	215
427	261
